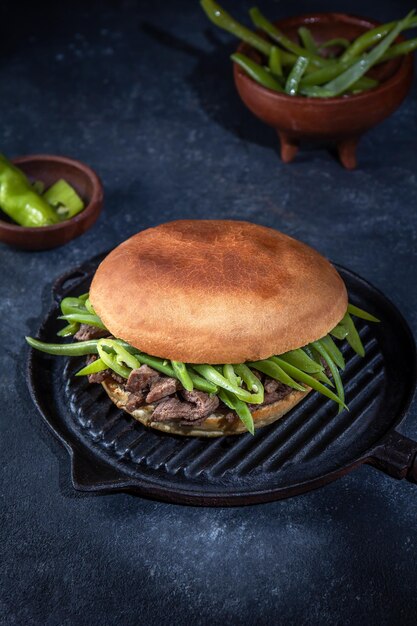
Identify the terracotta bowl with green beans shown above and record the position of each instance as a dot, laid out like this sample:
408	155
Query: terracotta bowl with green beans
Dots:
46	200
326	76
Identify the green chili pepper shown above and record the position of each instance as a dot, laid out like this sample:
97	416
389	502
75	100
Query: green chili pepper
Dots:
321	349
405	47
72	305
230	374
355	310
92	368
19	200
251	381
83	318
352	336
338	41
260	21
221	18
294	77
211	374
273	370
257	72
275	61
308	380
182	375
333	351
80	348
340	84
372	37
307	40
69	330
303	361
89	306
340	332
66	200
84	297
116	357
242	409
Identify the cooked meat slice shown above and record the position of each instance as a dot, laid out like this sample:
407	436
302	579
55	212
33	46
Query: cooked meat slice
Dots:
162	388
87	332
200	406
141	378
172	409
135	400
100	377
204	404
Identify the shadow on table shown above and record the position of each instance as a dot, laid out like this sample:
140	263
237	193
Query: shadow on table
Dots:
212	82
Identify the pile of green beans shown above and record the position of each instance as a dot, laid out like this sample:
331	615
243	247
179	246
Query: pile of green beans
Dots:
301	68
237	385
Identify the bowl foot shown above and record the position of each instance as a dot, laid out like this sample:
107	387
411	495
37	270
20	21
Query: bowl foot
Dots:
289	147
347	152
346	149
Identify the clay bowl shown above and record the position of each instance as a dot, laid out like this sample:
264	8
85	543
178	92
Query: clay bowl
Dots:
50	168
341	120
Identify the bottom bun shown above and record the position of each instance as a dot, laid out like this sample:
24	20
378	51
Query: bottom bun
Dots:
215	425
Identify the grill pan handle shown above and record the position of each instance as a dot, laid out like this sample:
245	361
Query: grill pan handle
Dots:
397	457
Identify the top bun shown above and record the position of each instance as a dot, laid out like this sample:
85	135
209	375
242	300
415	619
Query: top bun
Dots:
217	291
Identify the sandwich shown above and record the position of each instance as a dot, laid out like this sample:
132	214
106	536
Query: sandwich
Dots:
211	327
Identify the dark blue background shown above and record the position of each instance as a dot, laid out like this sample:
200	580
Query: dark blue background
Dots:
143	92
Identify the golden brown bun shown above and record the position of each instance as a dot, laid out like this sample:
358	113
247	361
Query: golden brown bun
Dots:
216	425
217	291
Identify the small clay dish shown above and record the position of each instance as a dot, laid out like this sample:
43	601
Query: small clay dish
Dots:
50	168
341	120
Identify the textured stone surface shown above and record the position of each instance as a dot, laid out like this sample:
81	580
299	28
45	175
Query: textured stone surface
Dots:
142	91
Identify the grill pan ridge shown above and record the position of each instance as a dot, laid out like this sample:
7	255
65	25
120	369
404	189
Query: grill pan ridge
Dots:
310	446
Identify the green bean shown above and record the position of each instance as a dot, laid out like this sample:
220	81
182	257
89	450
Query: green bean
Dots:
308	380
69	330
320	347
239	407
372	37
345	80
80	348
256	72
338	41
275	61
182	374
405	47
352	337
334	351
275	34
211	374
355	310
307	40
222	19
294	77
321	376
300	359
92	368
84	296
273	370
83	318
251	381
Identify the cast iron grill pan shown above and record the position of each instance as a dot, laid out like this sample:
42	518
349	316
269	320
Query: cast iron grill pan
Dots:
309	447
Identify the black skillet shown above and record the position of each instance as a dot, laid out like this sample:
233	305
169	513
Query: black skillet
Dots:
309	447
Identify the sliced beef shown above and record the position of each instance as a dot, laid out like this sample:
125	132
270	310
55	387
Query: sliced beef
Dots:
161	388
199	406
204	403
100	377
274	391
141	379
135	401
87	332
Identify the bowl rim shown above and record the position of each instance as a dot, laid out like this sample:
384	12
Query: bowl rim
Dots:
94	202
405	66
